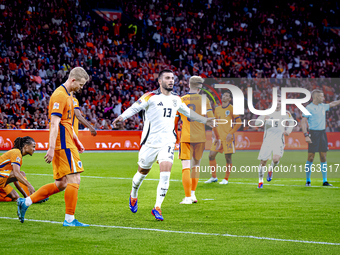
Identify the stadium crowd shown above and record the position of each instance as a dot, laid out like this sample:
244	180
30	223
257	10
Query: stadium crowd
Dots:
249	43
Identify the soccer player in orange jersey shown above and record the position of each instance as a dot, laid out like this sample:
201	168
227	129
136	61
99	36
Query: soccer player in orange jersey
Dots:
79	117
63	150
226	133
10	164
192	140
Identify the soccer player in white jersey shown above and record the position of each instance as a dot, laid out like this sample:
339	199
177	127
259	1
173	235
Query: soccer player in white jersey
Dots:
158	137
273	139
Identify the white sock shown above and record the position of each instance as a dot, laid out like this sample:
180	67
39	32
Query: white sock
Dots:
136	183
28	201
69	218
273	165
261	173
162	189
192	193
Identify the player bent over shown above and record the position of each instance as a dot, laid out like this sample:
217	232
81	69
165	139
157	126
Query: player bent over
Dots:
10	164
224	144
273	139
63	150
158	137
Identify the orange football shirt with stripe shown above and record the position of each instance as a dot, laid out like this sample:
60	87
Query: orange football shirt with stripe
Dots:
7	160
226	113
66	158
193	133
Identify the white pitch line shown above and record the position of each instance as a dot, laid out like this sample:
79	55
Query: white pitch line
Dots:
186	232
174	180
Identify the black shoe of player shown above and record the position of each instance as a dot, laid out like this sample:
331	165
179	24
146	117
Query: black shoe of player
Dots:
326	184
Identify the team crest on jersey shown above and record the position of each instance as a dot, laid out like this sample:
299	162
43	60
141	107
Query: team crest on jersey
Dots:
18	159
79	164
56	106
174	102
227	112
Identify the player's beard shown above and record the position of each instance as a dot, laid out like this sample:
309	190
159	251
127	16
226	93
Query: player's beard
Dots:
166	88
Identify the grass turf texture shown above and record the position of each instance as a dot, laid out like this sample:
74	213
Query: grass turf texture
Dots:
283	209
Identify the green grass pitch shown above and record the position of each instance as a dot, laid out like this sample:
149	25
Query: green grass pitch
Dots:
228	219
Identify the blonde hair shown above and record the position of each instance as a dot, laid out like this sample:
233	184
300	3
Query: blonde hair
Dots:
78	73
195	81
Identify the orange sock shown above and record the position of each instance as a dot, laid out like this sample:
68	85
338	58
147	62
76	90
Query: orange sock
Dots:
44	192
194	178
212	164
227	173
186	181
5	199
71	197
24	187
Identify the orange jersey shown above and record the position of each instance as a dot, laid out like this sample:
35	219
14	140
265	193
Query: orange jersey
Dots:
225	113
75	122
61	105
193	131
7	160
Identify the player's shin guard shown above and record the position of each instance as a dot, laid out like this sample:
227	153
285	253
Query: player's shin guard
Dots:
71	197
212	164
186	181
261	173
308	171
324	171
44	192
136	183
162	189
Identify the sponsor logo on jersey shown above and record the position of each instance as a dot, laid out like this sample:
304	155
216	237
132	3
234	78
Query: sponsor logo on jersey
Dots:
160	104
56	106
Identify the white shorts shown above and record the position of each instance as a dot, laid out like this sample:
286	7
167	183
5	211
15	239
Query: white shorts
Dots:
268	147
147	155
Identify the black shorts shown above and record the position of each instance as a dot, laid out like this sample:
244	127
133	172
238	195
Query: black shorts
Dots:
319	141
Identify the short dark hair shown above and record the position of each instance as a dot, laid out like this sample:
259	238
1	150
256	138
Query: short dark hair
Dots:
164	71
230	94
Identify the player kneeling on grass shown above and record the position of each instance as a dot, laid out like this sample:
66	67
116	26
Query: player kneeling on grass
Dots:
10	163
273	139
158	137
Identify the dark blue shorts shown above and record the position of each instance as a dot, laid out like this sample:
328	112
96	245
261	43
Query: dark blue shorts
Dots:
319	141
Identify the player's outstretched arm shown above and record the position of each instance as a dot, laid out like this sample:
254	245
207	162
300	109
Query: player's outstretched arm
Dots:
334	103
20	178
141	104
55	120
83	121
